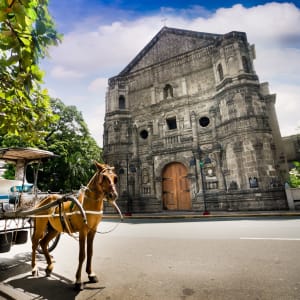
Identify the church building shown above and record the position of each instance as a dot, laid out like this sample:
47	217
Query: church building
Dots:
189	127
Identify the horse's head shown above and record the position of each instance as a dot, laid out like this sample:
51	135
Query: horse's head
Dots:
105	181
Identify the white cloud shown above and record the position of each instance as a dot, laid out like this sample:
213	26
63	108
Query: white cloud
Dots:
104	48
264	23
102	51
95	120
287	108
278	64
98	85
62	72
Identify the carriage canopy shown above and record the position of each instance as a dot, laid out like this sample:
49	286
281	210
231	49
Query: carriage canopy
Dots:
25	154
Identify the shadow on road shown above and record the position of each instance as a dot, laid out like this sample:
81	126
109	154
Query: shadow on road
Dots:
16	273
45	287
54	287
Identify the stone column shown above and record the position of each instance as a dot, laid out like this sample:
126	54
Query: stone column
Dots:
260	166
238	150
219	172
194	130
134	140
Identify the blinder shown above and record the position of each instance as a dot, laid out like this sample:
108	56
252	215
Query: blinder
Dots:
112	193
100	178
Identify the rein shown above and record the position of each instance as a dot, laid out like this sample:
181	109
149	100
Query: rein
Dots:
87	212
114	227
83	190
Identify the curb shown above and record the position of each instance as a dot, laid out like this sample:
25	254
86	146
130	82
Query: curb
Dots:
205	216
11	293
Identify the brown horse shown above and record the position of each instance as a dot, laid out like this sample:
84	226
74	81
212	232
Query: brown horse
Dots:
68	218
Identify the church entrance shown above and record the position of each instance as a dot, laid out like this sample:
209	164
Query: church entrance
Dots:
176	187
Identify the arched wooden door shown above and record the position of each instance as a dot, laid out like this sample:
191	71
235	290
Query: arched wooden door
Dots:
176	187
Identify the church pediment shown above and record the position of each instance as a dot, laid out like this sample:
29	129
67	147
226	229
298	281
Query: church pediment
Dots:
168	43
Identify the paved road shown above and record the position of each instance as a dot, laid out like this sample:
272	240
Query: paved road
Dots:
182	259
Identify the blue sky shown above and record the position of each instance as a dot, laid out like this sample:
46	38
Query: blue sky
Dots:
102	37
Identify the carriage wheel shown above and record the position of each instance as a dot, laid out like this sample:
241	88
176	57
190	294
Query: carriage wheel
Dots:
52	244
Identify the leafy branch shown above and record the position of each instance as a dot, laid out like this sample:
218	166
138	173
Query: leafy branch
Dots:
26	32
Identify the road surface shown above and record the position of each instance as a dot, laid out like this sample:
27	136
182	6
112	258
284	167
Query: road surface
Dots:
255	258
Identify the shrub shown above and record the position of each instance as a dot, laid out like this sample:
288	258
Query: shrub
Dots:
294	178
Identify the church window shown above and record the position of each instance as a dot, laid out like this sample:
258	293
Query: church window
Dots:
204	121
168	91
246	66
253	182
220	72
144	134
171	122
122	102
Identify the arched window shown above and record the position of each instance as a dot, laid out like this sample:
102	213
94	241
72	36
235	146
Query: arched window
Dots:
220	72
246	66
122	102
168	91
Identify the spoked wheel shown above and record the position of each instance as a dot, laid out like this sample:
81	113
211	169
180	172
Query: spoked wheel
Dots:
52	244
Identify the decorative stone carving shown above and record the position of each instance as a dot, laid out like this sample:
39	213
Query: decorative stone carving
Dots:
187	93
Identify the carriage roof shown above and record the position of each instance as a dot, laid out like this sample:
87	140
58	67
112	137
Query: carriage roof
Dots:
26	154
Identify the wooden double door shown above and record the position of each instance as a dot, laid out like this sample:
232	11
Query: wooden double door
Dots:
176	187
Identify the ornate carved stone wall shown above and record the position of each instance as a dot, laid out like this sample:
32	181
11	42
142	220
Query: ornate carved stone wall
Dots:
195	99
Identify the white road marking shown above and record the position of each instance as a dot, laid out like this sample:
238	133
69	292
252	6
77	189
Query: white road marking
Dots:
270	238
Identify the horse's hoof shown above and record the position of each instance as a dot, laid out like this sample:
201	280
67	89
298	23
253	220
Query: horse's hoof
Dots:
79	286
93	279
48	272
35	272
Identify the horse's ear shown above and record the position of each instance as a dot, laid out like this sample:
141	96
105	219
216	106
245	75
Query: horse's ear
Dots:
99	166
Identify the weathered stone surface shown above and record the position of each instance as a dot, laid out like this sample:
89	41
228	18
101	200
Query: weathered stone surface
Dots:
194	99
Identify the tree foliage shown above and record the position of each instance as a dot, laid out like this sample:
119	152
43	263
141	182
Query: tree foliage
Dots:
28	117
70	139
26	32
76	151
294	178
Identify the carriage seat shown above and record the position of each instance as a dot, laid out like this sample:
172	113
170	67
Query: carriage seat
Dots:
17	190
26	188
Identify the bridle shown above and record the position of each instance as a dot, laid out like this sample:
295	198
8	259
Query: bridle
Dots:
107	196
112	185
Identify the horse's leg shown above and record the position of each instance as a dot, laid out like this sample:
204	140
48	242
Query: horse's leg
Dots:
39	229
82	239
51	234
90	239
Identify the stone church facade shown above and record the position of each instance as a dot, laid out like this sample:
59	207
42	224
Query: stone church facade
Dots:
188	126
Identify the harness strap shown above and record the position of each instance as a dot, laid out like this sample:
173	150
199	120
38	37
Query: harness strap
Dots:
61	216
88	212
67	223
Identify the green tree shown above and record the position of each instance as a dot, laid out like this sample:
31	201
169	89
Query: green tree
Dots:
9	172
26	32
294	176
70	139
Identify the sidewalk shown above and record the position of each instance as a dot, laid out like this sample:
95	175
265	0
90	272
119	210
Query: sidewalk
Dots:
207	215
